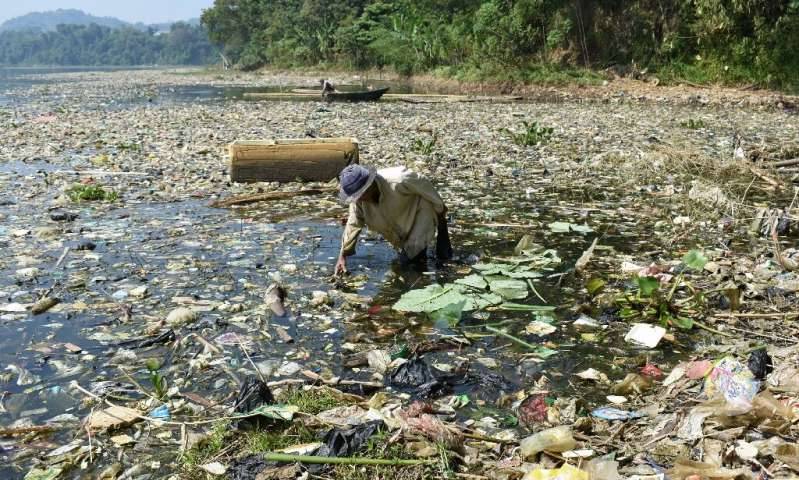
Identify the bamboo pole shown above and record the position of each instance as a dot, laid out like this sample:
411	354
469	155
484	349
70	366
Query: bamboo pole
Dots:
262	197
511	337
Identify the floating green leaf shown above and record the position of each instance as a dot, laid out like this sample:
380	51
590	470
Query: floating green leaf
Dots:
474	281
523	273
436	297
647	286
695	259
508	288
594	285
479	301
566	227
429	299
682	322
492	268
450	314
509	270
460	401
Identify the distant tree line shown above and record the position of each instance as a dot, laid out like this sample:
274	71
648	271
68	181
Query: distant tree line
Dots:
732	41
183	44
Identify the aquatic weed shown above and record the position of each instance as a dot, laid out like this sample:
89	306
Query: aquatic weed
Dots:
531	134
425	147
206	449
156	379
655	301
269	441
310	401
89	193
693	124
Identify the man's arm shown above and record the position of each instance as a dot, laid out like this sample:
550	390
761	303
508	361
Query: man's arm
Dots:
349	239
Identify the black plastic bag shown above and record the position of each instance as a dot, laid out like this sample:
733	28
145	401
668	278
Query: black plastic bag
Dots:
164	337
760	364
415	376
345	443
247	467
253	394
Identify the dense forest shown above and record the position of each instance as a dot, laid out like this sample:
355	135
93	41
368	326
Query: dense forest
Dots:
50	20
729	41
183	44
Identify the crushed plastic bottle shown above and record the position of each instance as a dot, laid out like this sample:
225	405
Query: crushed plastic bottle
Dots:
558	439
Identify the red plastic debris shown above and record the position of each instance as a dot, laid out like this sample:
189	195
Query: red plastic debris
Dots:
650	370
533	410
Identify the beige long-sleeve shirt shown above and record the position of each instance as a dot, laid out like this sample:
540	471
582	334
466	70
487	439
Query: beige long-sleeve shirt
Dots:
406	213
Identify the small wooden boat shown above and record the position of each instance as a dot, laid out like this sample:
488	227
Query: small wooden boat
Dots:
365	96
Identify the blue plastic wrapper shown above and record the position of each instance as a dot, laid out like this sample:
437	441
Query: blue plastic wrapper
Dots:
161	413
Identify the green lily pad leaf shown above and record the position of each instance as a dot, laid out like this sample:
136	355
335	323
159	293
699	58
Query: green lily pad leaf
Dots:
450	314
508	270
492	268
647	286
566	227
523	273
695	259
429	299
682	322
436	297
474	281
594	285
509	288
479	301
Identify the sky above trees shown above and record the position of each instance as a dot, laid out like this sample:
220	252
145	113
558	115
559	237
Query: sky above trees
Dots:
146	11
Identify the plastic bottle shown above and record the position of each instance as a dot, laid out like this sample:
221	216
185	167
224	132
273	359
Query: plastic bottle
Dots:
558	439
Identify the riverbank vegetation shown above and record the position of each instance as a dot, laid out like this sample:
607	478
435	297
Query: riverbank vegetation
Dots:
736	42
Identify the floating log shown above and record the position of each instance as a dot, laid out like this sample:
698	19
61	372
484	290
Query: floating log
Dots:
290	160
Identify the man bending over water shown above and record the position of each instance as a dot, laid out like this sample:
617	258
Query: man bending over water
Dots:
398	204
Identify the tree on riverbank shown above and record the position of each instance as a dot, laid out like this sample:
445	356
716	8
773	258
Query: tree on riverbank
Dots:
731	41
183	44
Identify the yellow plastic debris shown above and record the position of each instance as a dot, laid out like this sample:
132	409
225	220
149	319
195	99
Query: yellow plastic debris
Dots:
566	472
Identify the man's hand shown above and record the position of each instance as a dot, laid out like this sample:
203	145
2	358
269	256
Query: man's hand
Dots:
341	265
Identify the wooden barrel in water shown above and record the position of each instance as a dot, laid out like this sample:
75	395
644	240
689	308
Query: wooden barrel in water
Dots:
291	160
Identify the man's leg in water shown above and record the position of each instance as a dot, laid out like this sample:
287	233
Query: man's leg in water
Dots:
443	245
419	237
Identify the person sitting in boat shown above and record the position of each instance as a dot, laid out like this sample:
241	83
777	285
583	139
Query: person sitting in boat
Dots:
327	87
397	203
